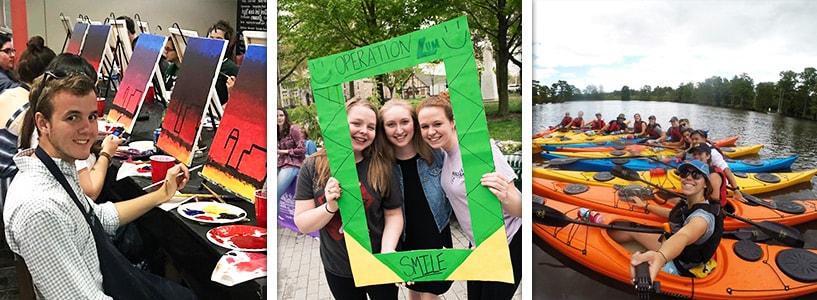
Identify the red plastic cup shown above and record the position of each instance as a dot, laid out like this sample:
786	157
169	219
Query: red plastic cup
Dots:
261	207
159	164
100	106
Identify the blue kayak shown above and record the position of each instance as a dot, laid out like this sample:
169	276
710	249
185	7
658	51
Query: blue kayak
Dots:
645	164
613	143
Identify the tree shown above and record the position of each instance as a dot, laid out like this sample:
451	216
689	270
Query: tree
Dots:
766	95
315	28
625	93
785	92
742	91
501	22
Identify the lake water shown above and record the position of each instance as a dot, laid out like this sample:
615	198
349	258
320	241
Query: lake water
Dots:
781	136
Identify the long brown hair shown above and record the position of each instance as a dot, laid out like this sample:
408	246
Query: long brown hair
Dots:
380	153
417	139
283	130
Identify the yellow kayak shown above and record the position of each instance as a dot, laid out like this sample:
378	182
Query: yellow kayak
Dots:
730	152
571	137
752	183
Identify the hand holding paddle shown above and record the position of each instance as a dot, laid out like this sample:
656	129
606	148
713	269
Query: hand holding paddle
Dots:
787	235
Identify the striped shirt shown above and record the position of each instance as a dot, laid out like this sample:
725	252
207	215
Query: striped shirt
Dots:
44	226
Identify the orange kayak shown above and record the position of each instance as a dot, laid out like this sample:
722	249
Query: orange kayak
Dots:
779	272
607	199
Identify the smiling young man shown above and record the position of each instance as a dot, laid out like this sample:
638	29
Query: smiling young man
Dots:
43	223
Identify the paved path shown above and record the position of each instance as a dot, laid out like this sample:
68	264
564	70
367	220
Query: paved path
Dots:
300	273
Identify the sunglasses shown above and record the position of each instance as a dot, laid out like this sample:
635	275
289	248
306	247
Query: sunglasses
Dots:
170	49
9	51
695	174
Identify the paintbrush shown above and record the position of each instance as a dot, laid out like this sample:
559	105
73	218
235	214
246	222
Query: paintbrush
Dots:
218	197
163	180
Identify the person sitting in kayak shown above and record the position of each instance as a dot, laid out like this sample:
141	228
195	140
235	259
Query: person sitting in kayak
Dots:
565	121
700	136
639	126
673	132
596	124
616	126
702	152
578	122
652	131
685	143
696	226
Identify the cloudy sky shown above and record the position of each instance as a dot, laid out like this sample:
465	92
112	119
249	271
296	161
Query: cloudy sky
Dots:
665	43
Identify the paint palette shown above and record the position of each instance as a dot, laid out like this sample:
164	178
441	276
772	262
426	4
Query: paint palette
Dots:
239	237
212	212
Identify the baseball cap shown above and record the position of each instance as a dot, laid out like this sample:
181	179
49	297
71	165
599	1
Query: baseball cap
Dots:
701	147
621	116
674	119
697	164
651	117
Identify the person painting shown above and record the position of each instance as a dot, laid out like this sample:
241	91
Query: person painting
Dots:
696	226
226	78
14	102
437	125
291	152
46	222
426	209
8	78
316	202
173	66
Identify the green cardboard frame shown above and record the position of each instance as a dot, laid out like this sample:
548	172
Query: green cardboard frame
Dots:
451	42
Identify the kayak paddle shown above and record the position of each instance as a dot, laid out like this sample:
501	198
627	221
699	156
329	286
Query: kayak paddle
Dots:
546	215
787	235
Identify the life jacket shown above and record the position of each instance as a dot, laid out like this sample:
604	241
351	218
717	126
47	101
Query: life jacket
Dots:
675	134
577	122
638	127
711	145
597	124
652	131
616	126
695	255
722	188
565	121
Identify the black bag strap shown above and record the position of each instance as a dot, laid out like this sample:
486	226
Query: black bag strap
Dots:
16	113
52	167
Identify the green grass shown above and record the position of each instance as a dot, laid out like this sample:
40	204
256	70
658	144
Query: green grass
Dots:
508	127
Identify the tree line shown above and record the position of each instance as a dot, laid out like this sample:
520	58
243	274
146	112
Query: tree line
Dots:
794	94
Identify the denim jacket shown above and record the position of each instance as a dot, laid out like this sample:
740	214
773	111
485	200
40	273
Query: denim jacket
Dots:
430	179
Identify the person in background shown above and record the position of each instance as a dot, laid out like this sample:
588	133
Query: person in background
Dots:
8	78
173	66
317	194
426	210
291	152
578	121
717	160
436	118
615	126
674	133
596	124
309	144
652	130
133	36
226	78
565	121
639	126
717	178
14	102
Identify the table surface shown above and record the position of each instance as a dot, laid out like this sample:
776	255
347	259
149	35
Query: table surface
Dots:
183	240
